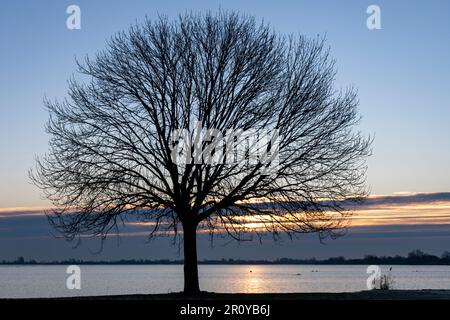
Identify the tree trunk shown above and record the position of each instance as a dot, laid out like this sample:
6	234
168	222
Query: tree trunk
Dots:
191	285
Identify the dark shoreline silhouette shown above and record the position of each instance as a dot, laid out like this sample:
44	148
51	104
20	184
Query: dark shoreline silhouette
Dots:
415	257
211	297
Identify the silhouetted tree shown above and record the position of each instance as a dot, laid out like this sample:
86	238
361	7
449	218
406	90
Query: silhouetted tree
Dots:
112	139
416	254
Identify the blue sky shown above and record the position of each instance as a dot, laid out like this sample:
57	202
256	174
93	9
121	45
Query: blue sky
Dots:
402	73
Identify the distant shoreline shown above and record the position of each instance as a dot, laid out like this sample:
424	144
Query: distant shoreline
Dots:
218	263
415	257
427	294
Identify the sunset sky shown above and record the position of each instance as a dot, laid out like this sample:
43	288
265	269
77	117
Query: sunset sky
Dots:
402	73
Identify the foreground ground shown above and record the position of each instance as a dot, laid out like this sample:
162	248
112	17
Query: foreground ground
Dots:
210	296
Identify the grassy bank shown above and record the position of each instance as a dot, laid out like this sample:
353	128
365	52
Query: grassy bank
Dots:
210	296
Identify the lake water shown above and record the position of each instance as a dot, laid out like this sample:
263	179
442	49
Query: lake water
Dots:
50	281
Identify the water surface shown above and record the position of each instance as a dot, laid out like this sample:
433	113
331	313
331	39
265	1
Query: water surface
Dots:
50	281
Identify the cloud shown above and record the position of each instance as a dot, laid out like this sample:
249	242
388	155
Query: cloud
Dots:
381	225
404	209
22	212
407	199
